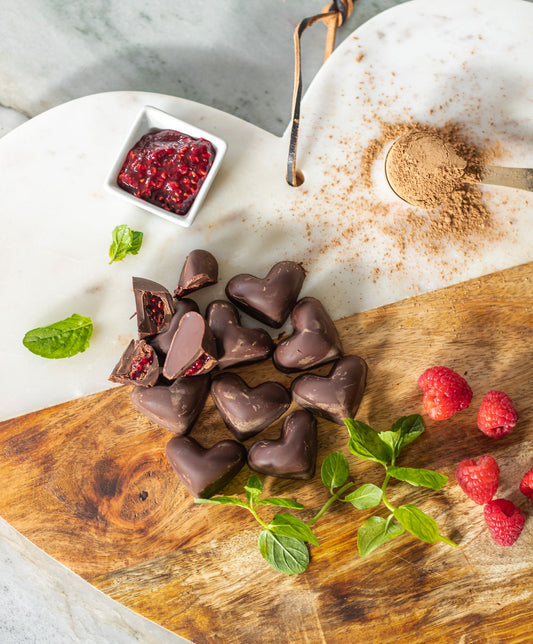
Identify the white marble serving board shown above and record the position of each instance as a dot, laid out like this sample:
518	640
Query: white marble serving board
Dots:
463	60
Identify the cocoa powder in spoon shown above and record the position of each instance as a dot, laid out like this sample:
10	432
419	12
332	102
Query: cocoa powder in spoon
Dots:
459	213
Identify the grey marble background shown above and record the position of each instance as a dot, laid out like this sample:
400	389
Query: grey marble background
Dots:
236	55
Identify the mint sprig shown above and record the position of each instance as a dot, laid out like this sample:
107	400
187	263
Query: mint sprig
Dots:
387	446
124	241
62	339
283	541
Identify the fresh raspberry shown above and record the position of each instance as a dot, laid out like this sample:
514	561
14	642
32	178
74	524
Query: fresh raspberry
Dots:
504	521
445	392
479	481
497	416
526	484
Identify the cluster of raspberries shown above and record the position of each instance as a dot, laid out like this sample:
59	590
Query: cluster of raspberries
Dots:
445	393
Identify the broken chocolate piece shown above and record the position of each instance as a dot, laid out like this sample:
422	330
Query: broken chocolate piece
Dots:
161	341
335	396
269	299
174	407
192	350
236	344
138	365
293	454
248	410
154	304
205	471
314	341
200	269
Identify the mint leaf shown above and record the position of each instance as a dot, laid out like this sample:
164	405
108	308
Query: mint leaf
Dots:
417	522
335	470
253	489
124	241
418	476
223	500
366	496
374	532
136	242
281	503
286	555
287	525
366	443
404	431
62	339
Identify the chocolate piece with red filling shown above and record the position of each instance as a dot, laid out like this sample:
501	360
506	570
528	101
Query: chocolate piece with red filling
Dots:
246	411
200	269
293	454
138	365
269	299
205	471
161	341
314	341
154	304
174	407
192	350
236	344
335	396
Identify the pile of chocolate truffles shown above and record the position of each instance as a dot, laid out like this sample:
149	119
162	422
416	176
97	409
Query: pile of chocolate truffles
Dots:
180	356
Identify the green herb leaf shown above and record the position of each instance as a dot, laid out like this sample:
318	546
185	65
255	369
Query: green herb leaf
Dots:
335	470
281	503
62	339
223	500
366	496
136	242
366	443
374	532
284	554
253	488
404	431
124	241
288	525
418	476
417	522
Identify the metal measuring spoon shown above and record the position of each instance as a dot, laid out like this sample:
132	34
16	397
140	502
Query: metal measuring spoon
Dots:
422	169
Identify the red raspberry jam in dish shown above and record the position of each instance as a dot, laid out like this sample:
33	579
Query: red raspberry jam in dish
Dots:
167	168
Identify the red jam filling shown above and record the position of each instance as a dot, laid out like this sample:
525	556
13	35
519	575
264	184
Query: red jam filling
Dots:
140	366
167	168
155	310
197	365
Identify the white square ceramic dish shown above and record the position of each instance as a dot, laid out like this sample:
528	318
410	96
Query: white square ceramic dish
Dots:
149	120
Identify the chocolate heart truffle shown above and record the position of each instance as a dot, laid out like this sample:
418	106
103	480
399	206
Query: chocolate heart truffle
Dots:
161	341
154	306
314	341
205	471
335	396
174	407
200	269
293	454
192	350
248	410
138	365
236	344
269	299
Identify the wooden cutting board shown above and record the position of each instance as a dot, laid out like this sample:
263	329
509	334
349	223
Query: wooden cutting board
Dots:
88	482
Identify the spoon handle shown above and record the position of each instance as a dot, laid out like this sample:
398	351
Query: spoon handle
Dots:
511	177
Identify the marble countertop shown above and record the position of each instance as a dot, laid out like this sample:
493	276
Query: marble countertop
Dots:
235	55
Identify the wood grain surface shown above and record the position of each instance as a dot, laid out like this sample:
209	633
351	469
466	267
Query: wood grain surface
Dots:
88	482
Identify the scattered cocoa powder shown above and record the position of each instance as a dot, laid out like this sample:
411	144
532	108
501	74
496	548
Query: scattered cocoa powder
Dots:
458	215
